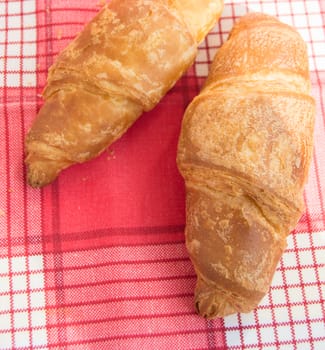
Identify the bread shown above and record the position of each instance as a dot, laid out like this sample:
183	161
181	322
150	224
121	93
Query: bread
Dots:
244	152
121	64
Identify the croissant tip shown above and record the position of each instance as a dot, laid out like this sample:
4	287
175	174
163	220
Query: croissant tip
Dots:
211	306
39	175
212	302
35	178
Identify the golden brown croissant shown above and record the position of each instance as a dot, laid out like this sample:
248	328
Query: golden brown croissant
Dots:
244	152
121	64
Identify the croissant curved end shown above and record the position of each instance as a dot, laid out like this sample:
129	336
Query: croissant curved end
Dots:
37	176
214	304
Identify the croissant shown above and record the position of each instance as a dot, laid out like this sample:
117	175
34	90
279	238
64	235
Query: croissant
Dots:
244	151
120	65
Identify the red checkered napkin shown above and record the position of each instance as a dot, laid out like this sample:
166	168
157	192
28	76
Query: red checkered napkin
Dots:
97	260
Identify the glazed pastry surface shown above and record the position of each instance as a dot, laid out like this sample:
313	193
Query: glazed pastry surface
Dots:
244	152
120	65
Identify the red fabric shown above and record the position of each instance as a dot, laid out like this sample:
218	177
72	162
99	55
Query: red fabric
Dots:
97	259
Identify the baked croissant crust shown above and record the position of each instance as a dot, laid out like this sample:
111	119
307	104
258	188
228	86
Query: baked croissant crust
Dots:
244	152
120	65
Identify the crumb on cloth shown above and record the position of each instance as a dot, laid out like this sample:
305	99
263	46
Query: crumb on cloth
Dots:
59	34
111	153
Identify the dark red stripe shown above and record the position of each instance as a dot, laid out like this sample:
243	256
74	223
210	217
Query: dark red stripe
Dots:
91	234
37	239
161	334
155	279
50	26
24	229
108	300
110	282
8	193
56	237
105	264
38	92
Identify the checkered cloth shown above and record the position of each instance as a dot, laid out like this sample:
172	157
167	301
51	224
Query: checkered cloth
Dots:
97	260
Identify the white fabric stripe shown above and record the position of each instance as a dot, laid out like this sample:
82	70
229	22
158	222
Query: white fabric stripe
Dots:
294	15
296	295
14	62
21	267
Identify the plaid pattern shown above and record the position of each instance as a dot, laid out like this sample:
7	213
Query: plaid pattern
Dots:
97	260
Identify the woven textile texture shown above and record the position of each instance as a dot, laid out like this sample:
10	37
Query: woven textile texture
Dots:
97	259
